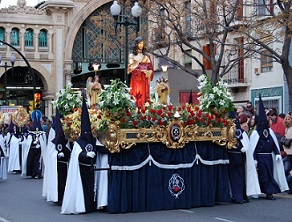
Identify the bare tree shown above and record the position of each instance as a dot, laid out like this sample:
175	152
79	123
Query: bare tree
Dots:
233	30
205	31
270	34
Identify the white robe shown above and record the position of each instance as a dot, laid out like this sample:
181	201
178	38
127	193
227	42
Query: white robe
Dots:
3	160
73	200
101	181
278	168
13	162
25	149
252	182
50	181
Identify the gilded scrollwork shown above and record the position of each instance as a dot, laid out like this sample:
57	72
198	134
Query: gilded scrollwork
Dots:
174	136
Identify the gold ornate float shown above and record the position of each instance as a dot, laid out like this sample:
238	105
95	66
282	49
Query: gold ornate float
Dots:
174	136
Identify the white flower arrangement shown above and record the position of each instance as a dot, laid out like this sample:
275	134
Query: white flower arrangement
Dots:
214	96
68	100
116	97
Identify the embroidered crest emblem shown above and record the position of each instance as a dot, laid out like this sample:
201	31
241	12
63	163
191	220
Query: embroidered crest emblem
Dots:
89	147
238	133
266	133
176	185
59	147
175	132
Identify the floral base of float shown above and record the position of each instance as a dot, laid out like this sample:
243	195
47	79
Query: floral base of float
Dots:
174	135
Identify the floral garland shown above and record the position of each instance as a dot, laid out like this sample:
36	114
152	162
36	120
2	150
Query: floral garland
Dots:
214	97
68	100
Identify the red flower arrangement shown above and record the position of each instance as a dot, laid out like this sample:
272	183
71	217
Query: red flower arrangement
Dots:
154	114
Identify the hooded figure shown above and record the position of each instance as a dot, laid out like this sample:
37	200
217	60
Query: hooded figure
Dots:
241	168
3	155
63	154
268	160
13	143
79	191
24	149
58	154
50	181
36	142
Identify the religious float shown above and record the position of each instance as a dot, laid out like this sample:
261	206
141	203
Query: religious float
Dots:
160	156
120	125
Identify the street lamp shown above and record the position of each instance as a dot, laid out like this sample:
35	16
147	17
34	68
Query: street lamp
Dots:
136	12
5	66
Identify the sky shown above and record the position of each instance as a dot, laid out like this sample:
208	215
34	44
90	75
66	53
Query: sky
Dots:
6	3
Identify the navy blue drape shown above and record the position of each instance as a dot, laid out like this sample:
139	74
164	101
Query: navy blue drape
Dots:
141	177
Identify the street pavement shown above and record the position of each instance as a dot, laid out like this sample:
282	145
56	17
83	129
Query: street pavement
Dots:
21	201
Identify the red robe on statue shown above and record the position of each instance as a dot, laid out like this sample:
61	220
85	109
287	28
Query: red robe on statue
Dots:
140	83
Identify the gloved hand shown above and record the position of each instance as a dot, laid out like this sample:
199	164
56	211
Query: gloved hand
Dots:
90	154
243	150
60	155
278	157
38	146
35	142
255	163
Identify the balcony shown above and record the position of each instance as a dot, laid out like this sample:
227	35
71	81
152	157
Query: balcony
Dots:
236	83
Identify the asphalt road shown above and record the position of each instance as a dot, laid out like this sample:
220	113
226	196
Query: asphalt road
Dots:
21	201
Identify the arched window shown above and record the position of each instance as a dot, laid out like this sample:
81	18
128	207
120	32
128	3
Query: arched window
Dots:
2	35
14	37
28	38
43	39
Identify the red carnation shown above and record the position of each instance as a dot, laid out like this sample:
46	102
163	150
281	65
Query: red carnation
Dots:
200	113
191	121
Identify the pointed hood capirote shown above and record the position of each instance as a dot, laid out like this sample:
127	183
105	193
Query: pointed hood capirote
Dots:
11	127
86	136
60	138
36	125
262	121
191	97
